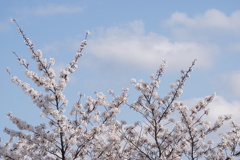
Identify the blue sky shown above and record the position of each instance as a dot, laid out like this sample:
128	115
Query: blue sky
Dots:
129	40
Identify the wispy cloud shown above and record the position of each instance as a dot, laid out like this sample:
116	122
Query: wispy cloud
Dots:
51	9
212	22
212	18
131	46
57	9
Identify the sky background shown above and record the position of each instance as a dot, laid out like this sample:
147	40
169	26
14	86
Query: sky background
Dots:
129	39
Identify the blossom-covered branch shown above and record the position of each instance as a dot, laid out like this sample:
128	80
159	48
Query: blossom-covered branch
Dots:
91	130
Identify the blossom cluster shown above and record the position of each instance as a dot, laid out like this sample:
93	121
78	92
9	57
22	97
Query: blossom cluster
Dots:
169	129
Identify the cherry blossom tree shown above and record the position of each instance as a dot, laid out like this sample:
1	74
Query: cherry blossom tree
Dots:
169	129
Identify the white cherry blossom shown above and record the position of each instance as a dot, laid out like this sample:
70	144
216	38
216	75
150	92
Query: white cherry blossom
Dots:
169	129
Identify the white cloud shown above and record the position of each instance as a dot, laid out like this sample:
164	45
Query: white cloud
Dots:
51	9
131	46
212	19
219	106
57	9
